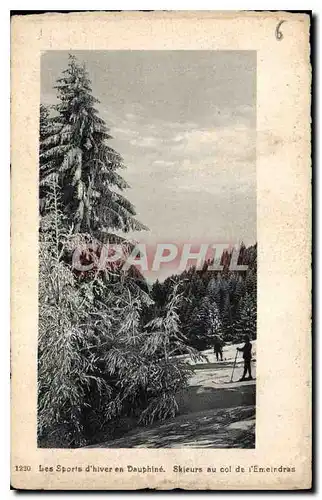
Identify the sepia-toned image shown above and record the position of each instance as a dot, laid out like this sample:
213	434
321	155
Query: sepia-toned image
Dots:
147	249
161	251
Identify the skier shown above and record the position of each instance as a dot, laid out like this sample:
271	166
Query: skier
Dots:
218	345
247	355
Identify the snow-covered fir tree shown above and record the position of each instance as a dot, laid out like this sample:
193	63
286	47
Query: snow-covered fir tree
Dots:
206	323
247	320
75	146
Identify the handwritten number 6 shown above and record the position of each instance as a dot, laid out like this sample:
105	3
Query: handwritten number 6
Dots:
279	35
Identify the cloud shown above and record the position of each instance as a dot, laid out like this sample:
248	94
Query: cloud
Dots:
170	161
124	133
131	116
186	157
164	163
219	179
146	142
225	132
230	142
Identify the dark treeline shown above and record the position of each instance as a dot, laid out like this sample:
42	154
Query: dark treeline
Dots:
215	303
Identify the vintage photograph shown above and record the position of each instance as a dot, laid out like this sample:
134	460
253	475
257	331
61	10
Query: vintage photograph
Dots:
147	249
161	251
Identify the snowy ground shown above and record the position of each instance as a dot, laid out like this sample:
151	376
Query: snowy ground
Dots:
213	411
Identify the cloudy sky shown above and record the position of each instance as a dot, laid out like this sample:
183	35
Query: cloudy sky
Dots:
185	124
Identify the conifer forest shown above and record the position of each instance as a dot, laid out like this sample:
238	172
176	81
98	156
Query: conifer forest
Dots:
115	349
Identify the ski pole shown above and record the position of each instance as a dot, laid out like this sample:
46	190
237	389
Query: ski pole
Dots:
234	367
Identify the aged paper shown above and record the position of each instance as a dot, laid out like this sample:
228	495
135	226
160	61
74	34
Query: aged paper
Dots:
260	125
